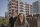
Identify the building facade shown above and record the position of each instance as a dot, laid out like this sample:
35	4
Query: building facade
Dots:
13	7
20	7
17	6
28	9
24	8
36	7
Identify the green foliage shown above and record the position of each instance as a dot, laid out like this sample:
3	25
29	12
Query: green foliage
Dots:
5	22
0	21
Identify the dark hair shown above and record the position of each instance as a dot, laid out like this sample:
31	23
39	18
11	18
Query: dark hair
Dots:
19	19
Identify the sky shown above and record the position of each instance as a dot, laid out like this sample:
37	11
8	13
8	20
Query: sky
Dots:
4	5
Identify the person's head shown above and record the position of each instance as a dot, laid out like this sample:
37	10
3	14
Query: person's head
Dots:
21	17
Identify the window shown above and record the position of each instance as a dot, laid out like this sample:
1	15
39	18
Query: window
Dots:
26	9
21	10
21	5
13	0
27	14
21	2
9	7
12	10
12	6
30	12
26	6
9	12
9	4
16	10
13	3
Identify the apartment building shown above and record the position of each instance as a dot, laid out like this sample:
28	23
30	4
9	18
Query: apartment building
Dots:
17	6
36	7
20	7
24	8
13	7
28	9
